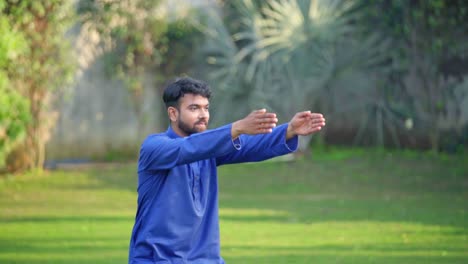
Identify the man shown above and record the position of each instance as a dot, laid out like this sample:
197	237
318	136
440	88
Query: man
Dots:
177	216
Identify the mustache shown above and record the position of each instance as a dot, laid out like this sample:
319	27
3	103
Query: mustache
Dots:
202	121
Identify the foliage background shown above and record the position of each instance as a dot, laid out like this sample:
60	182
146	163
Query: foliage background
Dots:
390	74
13	107
81	82
384	69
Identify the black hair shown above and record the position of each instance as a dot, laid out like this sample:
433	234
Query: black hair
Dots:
186	85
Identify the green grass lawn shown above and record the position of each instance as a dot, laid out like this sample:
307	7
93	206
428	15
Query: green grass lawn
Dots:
339	207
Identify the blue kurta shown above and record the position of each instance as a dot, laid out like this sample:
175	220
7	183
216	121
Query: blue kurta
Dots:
177	216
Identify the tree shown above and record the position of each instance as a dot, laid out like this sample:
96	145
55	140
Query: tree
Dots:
41	71
429	51
136	36
14	108
385	61
287	54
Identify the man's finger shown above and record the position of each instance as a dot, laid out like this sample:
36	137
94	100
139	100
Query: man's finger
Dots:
265	115
263	110
268	120
267	125
265	130
317	121
304	114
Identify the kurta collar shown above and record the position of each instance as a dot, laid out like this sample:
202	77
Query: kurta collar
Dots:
171	133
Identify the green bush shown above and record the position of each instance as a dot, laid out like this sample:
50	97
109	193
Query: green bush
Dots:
14	108
14	115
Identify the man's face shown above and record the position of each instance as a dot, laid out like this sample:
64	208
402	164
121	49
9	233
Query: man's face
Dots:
193	114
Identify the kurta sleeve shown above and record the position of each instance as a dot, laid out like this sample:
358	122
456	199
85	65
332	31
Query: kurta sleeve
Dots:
261	147
160	152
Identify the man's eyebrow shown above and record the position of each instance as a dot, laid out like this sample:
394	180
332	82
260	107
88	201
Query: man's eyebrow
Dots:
198	105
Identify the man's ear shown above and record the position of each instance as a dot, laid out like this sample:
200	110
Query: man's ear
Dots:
173	113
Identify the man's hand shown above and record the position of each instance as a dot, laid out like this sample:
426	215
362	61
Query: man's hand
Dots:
305	123
257	122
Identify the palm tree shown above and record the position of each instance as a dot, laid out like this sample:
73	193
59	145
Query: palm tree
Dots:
287	55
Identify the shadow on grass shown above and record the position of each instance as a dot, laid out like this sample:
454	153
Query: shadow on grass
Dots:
84	251
306	192
59	246
334	258
394	190
387	249
119	176
59	219
430	211
70	260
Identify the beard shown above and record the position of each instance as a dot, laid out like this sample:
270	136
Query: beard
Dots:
192	129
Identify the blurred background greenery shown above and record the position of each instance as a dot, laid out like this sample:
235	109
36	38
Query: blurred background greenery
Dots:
387	74
81	82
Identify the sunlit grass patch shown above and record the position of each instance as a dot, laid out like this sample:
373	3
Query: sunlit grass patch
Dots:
345	209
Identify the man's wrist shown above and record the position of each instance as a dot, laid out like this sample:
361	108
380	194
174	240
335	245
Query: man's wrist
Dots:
234	130
289	132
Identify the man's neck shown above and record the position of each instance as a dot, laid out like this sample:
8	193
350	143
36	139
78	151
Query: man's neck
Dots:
177	130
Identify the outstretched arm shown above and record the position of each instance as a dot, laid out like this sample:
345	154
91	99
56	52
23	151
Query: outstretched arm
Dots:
282	140
162	152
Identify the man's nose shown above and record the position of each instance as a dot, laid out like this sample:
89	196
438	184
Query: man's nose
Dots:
203	113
